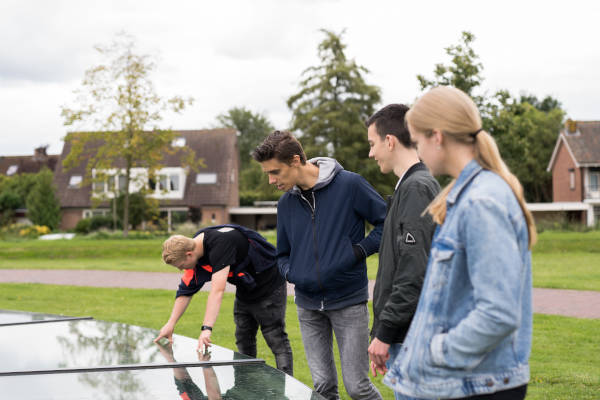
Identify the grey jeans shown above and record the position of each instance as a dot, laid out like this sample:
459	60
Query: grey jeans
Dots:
351	328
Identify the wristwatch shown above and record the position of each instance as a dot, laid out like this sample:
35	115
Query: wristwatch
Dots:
206	327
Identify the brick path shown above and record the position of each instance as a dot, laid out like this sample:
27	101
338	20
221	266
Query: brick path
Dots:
571	303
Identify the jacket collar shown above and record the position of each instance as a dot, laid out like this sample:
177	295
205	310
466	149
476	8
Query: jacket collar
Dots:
466	175
413	168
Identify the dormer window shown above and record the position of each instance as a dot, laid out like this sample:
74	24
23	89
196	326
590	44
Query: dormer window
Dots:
208	178
12	170
178	142
75	181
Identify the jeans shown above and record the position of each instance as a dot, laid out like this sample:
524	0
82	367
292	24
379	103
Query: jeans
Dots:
269	314
351	328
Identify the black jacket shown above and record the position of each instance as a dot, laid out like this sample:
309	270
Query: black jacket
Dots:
403	255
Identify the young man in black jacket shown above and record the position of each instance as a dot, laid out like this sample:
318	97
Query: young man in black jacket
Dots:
407	234
321	249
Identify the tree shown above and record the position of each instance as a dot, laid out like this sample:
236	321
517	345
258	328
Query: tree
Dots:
331	108
252	129
43	207
524	128
463	73
118	101
141	208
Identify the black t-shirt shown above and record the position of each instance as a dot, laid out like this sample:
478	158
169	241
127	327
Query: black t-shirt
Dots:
229	247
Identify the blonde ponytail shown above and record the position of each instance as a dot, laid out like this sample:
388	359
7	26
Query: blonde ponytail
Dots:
454	113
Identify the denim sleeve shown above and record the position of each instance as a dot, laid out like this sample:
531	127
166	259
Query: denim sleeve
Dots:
283	245
370	206
495	269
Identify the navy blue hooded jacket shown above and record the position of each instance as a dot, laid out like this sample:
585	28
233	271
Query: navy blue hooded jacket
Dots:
314	244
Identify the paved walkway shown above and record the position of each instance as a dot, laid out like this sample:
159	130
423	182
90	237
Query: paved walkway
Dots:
571	303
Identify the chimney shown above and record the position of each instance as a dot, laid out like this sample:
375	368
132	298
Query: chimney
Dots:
39	154
571	127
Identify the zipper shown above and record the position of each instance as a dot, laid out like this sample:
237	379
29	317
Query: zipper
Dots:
313	209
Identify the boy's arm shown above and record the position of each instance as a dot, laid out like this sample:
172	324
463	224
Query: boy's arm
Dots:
370	206
181	304
213	304
283	246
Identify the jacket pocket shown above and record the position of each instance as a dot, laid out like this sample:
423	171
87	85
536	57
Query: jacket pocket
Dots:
440	266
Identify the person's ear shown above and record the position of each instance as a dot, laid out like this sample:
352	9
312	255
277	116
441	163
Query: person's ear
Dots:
392	142
438	137
295	161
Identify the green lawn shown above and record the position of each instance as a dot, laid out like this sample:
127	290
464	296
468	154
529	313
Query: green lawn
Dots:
564	260
564	361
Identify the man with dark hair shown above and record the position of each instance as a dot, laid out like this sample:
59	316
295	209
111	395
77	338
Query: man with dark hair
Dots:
406	237
321	248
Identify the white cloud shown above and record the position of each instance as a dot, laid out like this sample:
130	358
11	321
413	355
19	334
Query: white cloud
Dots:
252	53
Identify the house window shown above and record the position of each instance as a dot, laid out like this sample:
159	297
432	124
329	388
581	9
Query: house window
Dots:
121	180
178	142
571	179
75	181
12	170
206	178
594	182
168	183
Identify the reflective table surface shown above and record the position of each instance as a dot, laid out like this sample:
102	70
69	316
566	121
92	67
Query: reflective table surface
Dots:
89	359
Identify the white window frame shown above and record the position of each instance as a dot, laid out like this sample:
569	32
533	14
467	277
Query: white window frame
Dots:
168	193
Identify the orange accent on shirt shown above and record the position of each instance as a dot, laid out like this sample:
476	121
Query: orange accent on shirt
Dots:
188	276
207	267
185	396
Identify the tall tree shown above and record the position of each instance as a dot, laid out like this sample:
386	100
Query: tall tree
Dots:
331	107
43	207
252	129
525	128
463	72
118	102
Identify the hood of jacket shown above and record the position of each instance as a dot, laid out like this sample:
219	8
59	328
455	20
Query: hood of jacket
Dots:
328	169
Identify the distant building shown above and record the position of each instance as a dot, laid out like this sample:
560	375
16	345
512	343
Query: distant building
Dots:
575	167
204	197
14	165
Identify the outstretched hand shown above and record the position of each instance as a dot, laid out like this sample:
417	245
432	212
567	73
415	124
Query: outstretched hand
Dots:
204	340
165	332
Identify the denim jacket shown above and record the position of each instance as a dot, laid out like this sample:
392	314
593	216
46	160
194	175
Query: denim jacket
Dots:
471	333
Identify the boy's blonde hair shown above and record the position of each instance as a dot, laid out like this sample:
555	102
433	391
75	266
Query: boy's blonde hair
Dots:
175	247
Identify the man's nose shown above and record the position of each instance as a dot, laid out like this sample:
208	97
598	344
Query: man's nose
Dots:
371	153
272	180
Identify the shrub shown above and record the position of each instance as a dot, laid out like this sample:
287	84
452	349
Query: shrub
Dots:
34	231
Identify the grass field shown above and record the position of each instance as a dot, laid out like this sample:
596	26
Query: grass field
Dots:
563	260
564	361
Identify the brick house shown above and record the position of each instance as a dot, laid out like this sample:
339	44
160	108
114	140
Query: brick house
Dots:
204	196
575	167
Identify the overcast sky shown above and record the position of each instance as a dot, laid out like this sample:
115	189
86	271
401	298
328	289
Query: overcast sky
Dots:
251	53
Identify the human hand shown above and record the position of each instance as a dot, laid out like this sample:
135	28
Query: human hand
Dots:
165	332
204	341
378	354
166	350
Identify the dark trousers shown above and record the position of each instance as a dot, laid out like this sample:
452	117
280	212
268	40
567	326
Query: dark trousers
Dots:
269	315
517	393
